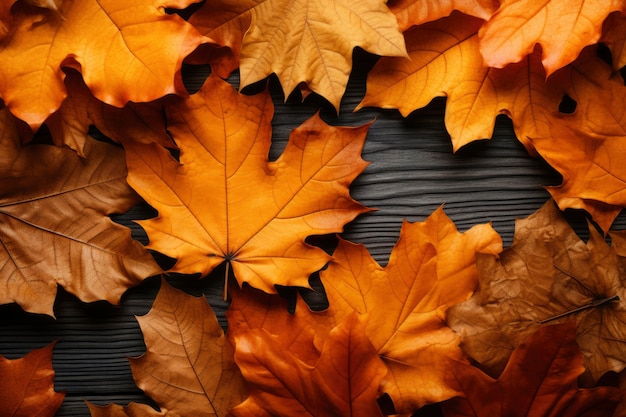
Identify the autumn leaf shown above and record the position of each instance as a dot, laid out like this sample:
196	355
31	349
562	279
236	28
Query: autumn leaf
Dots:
593	177
188	368
141	122
54	228
224	202
614	36
445	61
412	13
431	268
27	385
306	41
145	49
6	17
540	379
343	382
562	28
548	275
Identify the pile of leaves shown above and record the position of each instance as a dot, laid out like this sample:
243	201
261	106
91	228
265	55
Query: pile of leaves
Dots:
453	322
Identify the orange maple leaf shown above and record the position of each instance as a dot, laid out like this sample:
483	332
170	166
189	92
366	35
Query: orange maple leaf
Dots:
342	382
54	228
306	41
431	268
144	50
562	28
224	202
27	385
540	379
445	60
188	368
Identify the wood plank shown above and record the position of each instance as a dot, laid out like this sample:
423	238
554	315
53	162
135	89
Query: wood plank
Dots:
412	172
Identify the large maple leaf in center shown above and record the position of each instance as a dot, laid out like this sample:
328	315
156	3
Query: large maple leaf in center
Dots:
225	201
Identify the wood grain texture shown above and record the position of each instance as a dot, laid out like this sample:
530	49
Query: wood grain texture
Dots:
412	172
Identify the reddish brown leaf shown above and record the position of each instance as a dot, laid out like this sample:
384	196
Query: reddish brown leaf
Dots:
54	228
224	202
141	62
343	382
27	385
188	367
540	379
547	275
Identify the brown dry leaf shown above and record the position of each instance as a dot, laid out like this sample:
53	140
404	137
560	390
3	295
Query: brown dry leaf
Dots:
445	61
431	268
562	28
54	228
547	275
411	13
224	202
144	50
188	368
342	382
308	41
141	122
27	385
540	379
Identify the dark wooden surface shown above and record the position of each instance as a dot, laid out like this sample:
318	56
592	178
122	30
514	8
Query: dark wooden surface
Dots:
412	172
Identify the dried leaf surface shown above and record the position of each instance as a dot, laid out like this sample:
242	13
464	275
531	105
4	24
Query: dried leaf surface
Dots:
562	28
145	49
55	228
302	41
140	122
188	367
546	276
343	382
540	379
224	202
404	304
411	13
445	61
27	385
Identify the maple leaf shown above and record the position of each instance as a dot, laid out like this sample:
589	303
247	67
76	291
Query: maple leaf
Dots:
445	61
306	41
540	379
27	385
343	381
224	202
547	275
188	368
54	228
431	267
593	177
562	28
145	49
411	13
141	122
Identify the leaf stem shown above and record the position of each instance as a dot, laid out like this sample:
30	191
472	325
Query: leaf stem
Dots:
593	304
226	272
